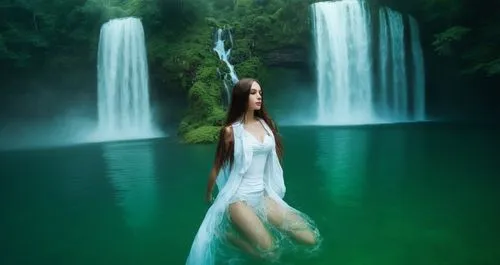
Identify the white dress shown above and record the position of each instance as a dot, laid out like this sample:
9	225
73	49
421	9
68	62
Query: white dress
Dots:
251	188
255	176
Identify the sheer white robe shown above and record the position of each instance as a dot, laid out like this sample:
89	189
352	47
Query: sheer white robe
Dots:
207	241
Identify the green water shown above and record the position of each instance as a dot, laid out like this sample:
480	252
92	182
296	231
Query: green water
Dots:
388	195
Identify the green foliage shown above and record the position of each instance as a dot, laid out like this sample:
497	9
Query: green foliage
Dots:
443	10
460	29
490	68
467	31
257	29
204	103
272	25
61	34
32	29
252	67
444	40
202	135
199	64
180	56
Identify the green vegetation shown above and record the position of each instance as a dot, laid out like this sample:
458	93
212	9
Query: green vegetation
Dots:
62	34
255	33
470	32
462	30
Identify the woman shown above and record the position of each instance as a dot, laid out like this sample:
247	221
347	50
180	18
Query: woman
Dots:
249	212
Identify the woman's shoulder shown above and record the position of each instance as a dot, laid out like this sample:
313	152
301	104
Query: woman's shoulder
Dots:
228	131
231	130
234	129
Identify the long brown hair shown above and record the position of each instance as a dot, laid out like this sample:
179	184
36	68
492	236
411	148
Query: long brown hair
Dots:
237	109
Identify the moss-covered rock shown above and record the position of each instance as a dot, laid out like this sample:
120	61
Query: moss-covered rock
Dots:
205	104
202	135
252	67
258	28
260	31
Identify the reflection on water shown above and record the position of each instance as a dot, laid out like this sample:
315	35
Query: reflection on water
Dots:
393	157
342	154
131	171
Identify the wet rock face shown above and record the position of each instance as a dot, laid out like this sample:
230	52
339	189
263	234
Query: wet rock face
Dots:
286	57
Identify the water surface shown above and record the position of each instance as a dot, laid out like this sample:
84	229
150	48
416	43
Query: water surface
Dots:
390	194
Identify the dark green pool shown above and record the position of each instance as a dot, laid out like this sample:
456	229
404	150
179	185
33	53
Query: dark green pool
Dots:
382	195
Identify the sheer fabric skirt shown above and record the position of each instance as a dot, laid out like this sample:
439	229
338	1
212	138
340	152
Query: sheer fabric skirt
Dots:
268	211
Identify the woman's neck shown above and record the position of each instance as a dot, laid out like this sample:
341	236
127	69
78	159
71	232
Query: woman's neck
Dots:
249	117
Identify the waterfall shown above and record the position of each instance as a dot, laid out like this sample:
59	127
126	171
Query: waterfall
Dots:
383	98
228	78
123	91
399	78
393	102
357	84
342	41
418	70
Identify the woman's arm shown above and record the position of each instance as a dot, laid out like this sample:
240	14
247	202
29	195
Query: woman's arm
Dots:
225	142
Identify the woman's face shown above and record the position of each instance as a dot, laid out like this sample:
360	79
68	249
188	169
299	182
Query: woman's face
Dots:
255	97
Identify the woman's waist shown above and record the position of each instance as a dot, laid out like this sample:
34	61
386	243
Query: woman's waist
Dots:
252	184
252	181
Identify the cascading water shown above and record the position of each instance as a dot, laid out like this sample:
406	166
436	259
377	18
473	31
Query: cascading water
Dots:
230	78
395	104
350	90
343	62
382	102
418	71
123	89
